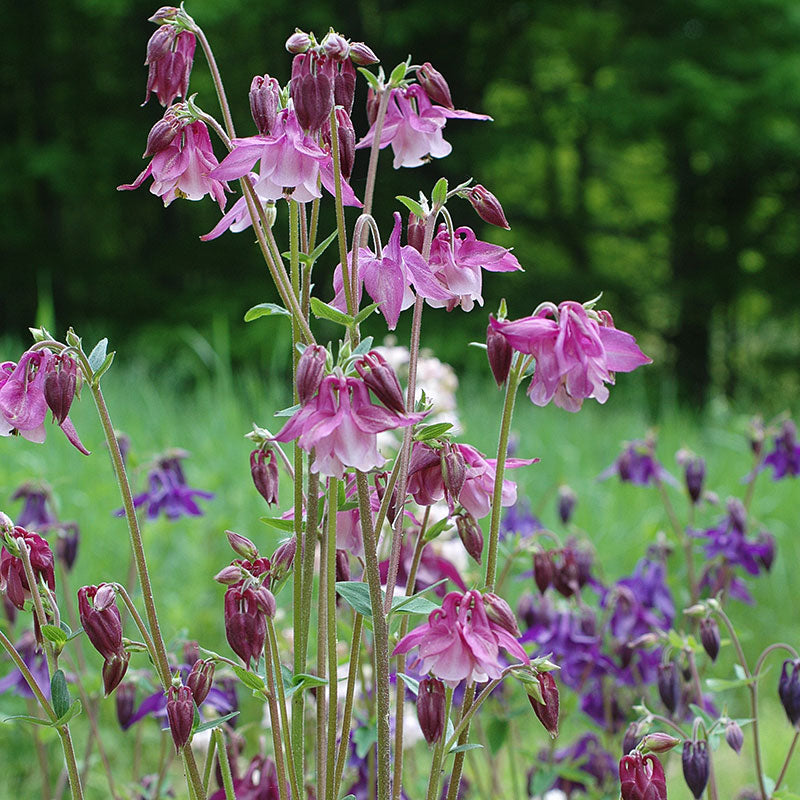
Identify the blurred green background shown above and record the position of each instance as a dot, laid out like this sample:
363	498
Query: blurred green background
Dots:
646	151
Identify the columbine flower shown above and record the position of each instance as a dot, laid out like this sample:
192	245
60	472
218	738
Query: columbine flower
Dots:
587	756
413	126
170	53
432	569
183	168
23	404
36	511
637	464
457	262
642	777
392	279
13	580
785	458
36	661
460	642
342	424
576	354
259	781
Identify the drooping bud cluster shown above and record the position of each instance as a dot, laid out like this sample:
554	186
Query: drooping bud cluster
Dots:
101	620
642	777
13	581
170	54
265	101
431	709
566	569
180	712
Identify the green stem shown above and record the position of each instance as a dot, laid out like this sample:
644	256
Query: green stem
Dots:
683	537
217	79
458	759
333	663
786	761
374	152
209	765
347	279
224	765
344	739
438	753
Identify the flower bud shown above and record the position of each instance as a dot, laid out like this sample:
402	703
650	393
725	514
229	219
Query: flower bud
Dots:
125	700
59	386
362	55
696	766
542	569
67	544
658	743
13	581
431	709
245	624
642	777
565	573
103	625
499	612
709	636
669	685
694	475
164	14
415	232
265	601
311	88
335	46
381	480
347	142
567	500
200	680
373	103
435	86
342	566
265	96
734	736
114	670
382	380
242	546
454	471
310	369
282	560
547	712
471	535
162	134
789	689
298	42
264	471
632	737
487	206
160	43
229	575
499	352
105	597
180	712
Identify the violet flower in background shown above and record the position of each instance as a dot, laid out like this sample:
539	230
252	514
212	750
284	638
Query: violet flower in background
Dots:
519	519
36	663
585	755
36	513
785	457
637	464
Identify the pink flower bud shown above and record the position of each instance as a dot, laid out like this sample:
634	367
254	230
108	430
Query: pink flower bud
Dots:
499	611
105	597
311	88
229	575
382	380
160	43
282	560
471	535
335	46
265	601
454	472
103	625
435	86
242	546
264	471
200	680
658	743
547	712
265	94
114	670
415	232
499	352
310	369
180	712
734	736
362	55
642	777
164	14
298	42
347	142
487	206
373	102
59	386
430	709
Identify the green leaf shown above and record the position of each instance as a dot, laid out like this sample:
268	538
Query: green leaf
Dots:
543	779
435	530
356	595
280	524
439	194
721	684
363	738
303	681
432	431
214	723
364	346
350	796
413	605
412	683
98	355
373	84
59	693
45	723
249	679
496	733
266	310
398	74
412	205
324	311
103	368
71	712
287	412
323	246
55	635
462	748
365	312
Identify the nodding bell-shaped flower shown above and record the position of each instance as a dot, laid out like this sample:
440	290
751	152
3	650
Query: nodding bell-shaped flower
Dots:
431	709
13	581
696	765
567	500
642	777
435	85
180	712
114	670
264	471
487	206
543	569
125	702
709	636
382	380
200	680
101	620
789	689
547	712
785	458
60	383
265	101
499	353
170	54
245	623
311	88
669	685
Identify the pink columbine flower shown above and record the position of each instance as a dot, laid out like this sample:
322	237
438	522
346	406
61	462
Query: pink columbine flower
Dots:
457	265
413	126
460	642
392	279
183	168
170	53
576	353
23	404
342	424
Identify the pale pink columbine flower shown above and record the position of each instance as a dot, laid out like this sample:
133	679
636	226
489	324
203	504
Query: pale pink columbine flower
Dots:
576	353
460	642
413	126
237	218
23	406
183	168
391	279
342	423
457	265
292	163
170	54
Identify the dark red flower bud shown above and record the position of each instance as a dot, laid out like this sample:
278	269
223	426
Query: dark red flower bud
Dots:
265	98
114	670
125	700
298	42
362	55
499	612
487	206
695	474
335	46
381	378
669	685
59	386
311	88
415	232
632	737
265	601
344	87
696	766
242	546
342	565
566	578
282	560
567	500
264	471
734	736
430	709
229	575
471	535
13	580
454	472
180	712
310	369
162	134
200	680
789	689
245	624
499	353
642	777
347	142
160	43
373	103
547	712
709	636
435	86
542	569
101	620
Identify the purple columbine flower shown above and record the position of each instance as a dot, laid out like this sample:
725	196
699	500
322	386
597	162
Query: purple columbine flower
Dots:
519	519
36	663
785	458
637	464
36	512
585	755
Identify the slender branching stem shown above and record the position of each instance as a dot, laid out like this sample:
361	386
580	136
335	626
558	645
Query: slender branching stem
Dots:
438	752
224	765
329	565
275	718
